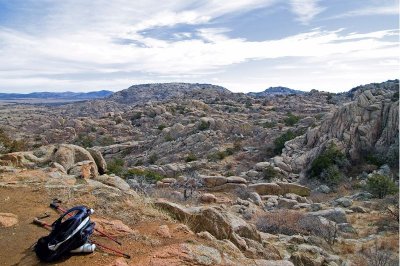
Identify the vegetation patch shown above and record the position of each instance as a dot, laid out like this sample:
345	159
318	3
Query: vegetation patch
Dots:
204	125
9	145
150	176
153	158
161	127
279	143
116	166
381	185
269	124
328	166
291	119
270	173
191	157
220	155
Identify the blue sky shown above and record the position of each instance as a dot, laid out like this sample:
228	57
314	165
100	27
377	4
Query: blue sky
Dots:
243	45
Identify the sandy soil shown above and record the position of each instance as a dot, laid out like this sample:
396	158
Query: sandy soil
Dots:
16	242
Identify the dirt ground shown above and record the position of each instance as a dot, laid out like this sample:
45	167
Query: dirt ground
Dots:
16	242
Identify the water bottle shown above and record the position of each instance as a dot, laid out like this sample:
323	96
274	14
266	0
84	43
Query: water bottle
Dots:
85	248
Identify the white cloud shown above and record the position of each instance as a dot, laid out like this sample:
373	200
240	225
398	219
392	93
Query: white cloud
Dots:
74	48
370	11
306	10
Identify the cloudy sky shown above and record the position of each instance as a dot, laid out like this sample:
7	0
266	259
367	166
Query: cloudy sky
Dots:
244	45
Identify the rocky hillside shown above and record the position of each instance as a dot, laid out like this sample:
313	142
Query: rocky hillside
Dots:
166	91
309	179
366	126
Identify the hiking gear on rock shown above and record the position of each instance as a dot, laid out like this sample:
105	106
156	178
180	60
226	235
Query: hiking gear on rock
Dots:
66	235
85	248
54	205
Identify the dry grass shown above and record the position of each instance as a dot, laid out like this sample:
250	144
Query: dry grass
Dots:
281	222
346	248
130	209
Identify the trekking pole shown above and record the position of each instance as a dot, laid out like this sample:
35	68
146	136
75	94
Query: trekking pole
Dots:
57	207
46	225
41	223
114	250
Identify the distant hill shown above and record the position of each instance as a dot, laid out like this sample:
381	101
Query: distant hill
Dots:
165	91
272	91
57	95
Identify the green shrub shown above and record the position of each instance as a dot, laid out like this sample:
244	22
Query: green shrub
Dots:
168	137
153	158
395	96
230	151
161	127
279	143
217	156
270	173
106	141
380	186
204	125
229	173
331	175
237	145
116	166
147	174
136	116
9	145
319	116
291	119
374	159
191	157
328	165
85	140
269	124
152	114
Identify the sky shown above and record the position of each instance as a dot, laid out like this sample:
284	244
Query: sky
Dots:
243	45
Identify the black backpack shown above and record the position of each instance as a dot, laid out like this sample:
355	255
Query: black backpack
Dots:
66	235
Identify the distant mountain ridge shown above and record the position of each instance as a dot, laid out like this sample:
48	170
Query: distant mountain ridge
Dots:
272	91
57	95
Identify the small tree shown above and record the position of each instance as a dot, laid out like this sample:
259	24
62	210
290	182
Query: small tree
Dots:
279	143
380	186
116	166
204	125
153	158
291	119
191	157
326	167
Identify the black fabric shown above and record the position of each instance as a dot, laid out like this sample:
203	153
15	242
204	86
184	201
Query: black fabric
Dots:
60	232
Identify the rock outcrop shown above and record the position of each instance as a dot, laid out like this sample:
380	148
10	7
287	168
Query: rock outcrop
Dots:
67	158
279	188
215	220
367	124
